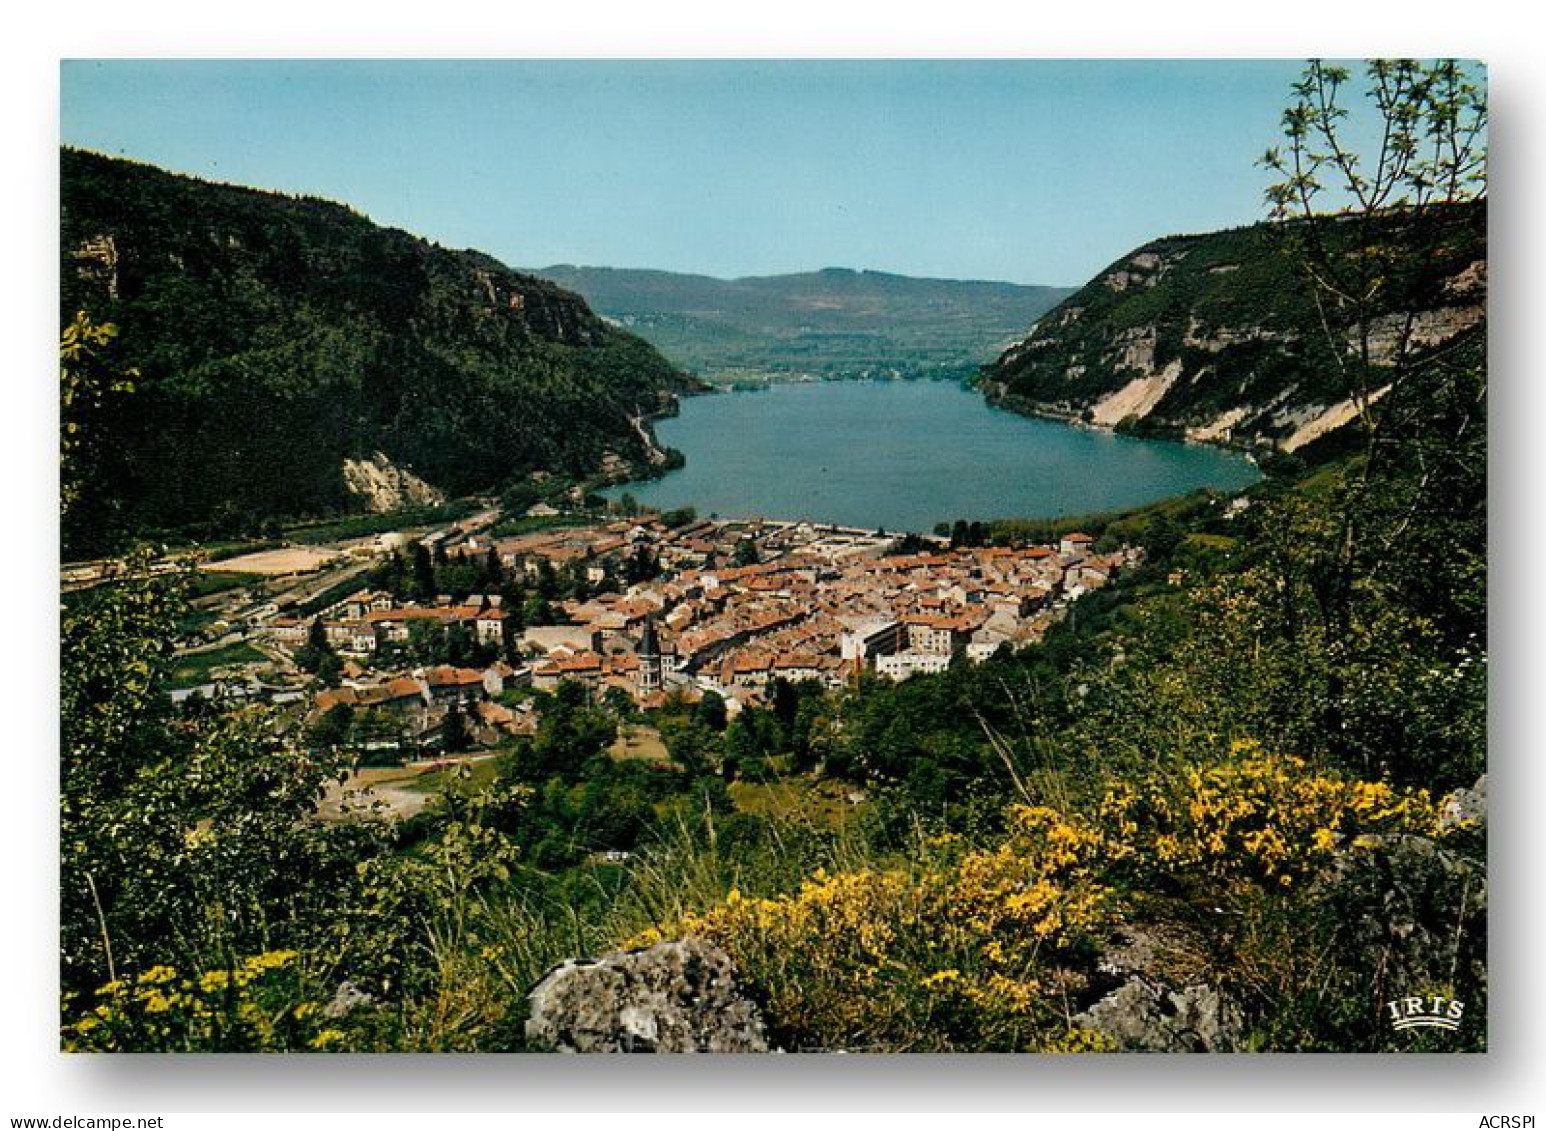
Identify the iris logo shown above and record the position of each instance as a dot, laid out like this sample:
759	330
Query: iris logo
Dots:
1433	1012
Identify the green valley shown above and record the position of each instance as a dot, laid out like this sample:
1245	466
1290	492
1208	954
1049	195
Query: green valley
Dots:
834	323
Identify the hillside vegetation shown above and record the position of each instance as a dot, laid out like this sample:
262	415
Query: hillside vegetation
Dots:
1224	777
1234	800
833	323
1216	337
277	337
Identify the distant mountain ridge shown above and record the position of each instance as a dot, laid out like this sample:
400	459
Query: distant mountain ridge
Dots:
281	339
1215	336
831	323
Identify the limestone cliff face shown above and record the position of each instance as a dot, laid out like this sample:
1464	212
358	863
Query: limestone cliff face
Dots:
1217	339
383	487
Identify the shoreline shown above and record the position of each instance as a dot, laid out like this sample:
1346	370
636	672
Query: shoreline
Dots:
845	456
993	392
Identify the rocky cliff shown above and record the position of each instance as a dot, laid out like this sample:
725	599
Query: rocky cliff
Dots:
281	340
1218	338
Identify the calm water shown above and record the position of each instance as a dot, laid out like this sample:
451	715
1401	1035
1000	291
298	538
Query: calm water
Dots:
905	455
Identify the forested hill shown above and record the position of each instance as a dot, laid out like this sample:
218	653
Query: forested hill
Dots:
277	337
1216	337
830	323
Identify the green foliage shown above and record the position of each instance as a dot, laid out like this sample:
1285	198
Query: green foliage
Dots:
1433	117
93	386
194	668
317	655
676	519
182	841
572	736
1237	746
363	525
274	337
454	737
257	1004
1240	288
333	727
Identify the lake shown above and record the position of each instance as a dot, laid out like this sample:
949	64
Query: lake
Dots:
905	455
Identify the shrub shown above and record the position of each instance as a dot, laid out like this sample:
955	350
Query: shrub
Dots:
970	951
255	1005
1258	817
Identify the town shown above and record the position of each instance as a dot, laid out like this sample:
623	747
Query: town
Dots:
656	609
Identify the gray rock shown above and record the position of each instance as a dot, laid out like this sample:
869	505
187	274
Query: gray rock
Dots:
1466	808
1145	1017
676	996
1416	910
346	999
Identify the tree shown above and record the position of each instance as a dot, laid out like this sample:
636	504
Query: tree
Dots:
536	609
392	575
92	386
675	519
1161	537
459	576
460	645
639	565
510	629
573	583
1432	124
519	495
332	729
711	711
187	840
785	706
547	579
570	733
612	815
1419	410
454	736
427	642
619	704
493	577
317	655
423	573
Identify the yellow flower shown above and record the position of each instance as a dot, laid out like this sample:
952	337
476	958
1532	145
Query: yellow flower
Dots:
326	1038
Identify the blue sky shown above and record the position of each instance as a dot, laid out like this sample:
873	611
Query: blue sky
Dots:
1035	171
